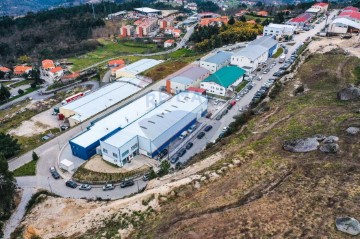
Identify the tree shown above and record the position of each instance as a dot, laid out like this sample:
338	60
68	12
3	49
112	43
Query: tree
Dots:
24	59
231	21
164	168
35	157
243	18
265	22
9	146
20	92
257	20
4	93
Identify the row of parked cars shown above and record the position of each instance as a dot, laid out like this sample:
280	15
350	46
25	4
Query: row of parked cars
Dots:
263	90
287	64
106	187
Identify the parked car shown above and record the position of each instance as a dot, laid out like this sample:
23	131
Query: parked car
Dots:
192	128
108	186
200	135
146	177
55	175
174	159
182	152
71	184
162	154
127	183
218	117
208	115
189	145
183	134
208	128
224	112
85	187
52	169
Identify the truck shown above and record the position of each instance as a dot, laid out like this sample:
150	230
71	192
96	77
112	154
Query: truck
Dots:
72	98
282	58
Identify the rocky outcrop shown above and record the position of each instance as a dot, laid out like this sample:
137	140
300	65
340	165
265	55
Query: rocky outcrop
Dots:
349	93
327	144
353	130
301	145
329	148
348	225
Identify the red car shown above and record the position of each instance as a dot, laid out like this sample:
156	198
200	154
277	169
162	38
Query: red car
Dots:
208	115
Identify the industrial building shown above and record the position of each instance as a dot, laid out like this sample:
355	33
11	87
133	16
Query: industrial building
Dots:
279	30
84	145
348	21
217	61
190	77
301	20
136	68
84	108
154	131
256	52
223	80
148	11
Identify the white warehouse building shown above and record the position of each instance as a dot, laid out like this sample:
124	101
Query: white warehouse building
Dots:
279	30
136	68
217	61
154	131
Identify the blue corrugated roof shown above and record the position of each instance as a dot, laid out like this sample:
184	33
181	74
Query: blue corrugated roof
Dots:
219	58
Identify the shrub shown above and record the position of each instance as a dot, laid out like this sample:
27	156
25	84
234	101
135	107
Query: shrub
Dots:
20	91
35	157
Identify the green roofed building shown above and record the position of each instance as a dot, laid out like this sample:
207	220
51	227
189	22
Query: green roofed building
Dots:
222	80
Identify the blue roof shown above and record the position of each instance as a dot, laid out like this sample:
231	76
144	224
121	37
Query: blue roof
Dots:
182	80
219	58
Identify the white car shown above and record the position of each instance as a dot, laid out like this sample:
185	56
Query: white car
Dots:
108	187
85	187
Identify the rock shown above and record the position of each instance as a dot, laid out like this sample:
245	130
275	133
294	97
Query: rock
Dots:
352	130
197	185
349	93
329	148
319	137
301	145
348	225
330	139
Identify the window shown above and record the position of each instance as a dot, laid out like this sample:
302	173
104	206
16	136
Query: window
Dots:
134	146
115	155
125	153
105	150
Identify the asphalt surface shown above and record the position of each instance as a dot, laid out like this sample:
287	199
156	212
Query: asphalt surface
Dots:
49	151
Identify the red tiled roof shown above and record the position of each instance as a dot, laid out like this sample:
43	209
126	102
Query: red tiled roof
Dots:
47	64
195	89
18	70
116	62
321	4
4	69
169	41
262	13
56	69
113	70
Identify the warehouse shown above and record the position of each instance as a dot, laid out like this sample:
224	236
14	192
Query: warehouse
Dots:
217	61
84	145
190	77
279	30
136	68
154	131
84	108
222	80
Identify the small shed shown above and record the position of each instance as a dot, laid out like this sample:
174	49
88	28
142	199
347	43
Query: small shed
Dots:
67	165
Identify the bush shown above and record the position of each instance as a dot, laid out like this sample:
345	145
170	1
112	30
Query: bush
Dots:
164	168
20	91
275	90
35	157
299	89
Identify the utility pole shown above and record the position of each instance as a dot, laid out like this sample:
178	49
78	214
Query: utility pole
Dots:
92	5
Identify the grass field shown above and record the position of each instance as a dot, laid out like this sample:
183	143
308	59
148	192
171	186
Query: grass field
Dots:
279	51
28	169
175	61
109	50
251	17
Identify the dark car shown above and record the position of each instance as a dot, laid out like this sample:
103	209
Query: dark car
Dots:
189	145
225	112
208	115
162	154
55	175
71	184
218	117
229	107
146	177
200	135
182	152
127	183
174	159
208	128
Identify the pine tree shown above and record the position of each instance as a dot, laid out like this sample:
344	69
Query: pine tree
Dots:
4	93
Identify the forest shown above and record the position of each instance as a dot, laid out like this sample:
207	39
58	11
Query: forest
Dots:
55	33
209	37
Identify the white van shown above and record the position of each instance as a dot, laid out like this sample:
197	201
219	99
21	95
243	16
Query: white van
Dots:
183	135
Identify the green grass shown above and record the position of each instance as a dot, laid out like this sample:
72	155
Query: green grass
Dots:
20	83
251	17
241	86
110	50
28	169
26	91
278	53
